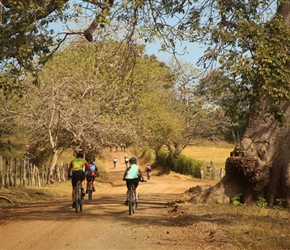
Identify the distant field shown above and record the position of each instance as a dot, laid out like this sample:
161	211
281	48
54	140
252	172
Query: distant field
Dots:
207	152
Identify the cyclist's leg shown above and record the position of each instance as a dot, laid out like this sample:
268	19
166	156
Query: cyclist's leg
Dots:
136	182
87	184
127	193
74	184
83	177
93	183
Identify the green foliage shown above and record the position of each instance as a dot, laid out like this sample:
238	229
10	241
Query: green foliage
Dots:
280	203
181	164
236	200
188	166
162	159
254	56
248	39
261	202
86	95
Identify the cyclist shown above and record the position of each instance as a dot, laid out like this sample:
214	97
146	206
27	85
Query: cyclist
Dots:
132	175
115	162
77	167
148	171
126	159
93	175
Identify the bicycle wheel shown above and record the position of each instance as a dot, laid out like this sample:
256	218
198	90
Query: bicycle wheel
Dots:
90	190
136	204
77	197
131	201
81	202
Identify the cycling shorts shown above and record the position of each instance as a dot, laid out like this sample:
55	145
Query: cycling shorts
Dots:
77	175
135	182
90	178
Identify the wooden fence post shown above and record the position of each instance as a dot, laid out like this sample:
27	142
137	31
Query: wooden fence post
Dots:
43	176
24	173
10	172
28	174
1	172
15	172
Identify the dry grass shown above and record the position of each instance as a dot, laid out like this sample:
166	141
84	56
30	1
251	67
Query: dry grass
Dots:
246	227
210	152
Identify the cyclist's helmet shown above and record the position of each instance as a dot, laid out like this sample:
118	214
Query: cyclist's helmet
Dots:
133	160
80	155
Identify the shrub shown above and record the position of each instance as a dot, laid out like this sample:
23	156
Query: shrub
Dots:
188	166
261	202
181	164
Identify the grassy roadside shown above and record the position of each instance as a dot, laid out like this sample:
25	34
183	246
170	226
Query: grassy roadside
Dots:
217	153
245	227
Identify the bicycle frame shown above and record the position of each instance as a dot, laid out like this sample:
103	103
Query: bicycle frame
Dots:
148	175
78	199
132	200
90	187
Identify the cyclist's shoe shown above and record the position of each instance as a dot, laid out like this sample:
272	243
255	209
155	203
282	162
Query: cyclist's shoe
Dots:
73	205
127	202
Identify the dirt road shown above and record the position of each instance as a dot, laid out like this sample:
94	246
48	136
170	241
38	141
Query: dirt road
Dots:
105	222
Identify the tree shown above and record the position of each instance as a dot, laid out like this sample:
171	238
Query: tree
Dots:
218	91
86	97
248	39
254	51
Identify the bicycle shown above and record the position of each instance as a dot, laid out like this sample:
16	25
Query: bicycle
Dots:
78	197
133	205
90	190
148	175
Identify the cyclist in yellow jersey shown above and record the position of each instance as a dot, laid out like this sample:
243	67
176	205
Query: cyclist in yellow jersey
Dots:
77	168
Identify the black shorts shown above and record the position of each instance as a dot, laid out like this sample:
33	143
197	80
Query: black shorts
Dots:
135	182
77	175
90	178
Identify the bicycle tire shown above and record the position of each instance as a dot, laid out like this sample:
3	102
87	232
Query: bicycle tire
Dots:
90	190
77	197
134	202
131	202
81	203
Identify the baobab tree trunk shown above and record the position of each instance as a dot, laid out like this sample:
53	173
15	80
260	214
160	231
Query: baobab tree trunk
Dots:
259	166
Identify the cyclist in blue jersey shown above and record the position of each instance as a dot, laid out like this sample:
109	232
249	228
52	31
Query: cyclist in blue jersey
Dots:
93	175
76	170
132	175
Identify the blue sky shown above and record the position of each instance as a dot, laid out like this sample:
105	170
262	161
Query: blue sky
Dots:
193	53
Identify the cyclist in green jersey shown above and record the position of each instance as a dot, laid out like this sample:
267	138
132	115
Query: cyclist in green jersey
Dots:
76	170
133	175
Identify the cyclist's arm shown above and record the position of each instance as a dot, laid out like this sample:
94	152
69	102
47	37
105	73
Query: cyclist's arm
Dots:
140	174
124	176
69	169
87	167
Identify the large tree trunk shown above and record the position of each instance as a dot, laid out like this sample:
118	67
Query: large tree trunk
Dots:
259	166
